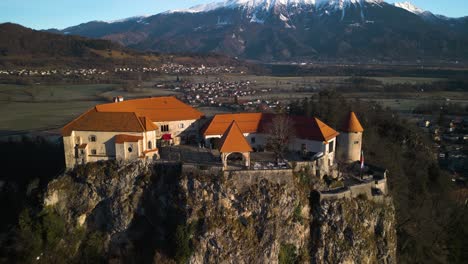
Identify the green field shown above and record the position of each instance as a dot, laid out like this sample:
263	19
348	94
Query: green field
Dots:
40	107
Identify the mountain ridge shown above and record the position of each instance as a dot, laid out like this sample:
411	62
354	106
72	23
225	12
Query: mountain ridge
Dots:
24	47
282	30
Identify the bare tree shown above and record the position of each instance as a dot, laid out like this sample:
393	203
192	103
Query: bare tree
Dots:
280	134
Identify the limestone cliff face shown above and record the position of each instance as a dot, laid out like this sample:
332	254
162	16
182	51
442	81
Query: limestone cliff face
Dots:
100	196
246	225
353	231
142	209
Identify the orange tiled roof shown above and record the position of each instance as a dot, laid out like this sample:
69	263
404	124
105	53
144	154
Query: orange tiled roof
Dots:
92	120
167	108
150	150
312	129
304	127
247	122
147	124
121	138
352	124
326	132
233	140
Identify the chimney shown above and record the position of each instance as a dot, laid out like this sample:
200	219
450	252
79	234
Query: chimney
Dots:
118	99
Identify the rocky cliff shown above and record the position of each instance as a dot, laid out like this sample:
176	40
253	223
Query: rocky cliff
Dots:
163	213
353	231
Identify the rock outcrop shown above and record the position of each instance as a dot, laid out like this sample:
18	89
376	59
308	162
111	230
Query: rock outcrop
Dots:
353	231
248	226
161	213
102	196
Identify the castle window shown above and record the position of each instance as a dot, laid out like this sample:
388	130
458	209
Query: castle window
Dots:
150	145
181	125
356	142
130	149
252	140
93	152
92	138
164	128
331	146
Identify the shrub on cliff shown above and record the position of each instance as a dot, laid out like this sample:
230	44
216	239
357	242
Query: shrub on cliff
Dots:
45	238
287	254
183	236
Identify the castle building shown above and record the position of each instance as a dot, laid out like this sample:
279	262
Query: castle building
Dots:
127	130
248	123
350	139
309	135
134	129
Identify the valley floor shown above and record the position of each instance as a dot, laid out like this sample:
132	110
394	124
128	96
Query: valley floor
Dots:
39	107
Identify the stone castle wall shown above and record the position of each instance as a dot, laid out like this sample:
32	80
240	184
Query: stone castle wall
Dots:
243	179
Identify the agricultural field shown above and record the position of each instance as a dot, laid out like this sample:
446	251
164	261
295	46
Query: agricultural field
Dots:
262	82
39	107
406	102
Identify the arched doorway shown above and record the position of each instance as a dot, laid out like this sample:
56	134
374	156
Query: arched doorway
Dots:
236	160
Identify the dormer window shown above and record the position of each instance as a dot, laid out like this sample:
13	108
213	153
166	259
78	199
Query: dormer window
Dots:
92	138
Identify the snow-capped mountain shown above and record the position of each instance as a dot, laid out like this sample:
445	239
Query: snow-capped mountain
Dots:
251	5
261	5
133	18
293	29
408	6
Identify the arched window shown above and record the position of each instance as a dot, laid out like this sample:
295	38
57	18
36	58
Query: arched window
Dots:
150	145
130	149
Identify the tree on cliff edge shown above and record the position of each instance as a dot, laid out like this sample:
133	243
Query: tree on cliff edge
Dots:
280	132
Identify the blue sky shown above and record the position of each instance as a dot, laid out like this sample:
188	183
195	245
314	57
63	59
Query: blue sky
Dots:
43	14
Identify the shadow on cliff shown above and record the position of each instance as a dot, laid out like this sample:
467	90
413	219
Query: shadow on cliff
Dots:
151	237
314	231
28	164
